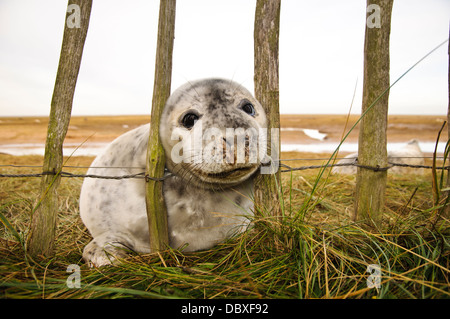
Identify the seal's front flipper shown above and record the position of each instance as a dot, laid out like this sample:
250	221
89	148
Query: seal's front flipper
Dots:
105	250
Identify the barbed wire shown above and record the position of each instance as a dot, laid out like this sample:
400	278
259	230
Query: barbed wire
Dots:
284	168
67	174
373	168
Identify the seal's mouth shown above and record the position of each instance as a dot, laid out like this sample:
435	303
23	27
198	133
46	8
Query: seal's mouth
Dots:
229	173
220	178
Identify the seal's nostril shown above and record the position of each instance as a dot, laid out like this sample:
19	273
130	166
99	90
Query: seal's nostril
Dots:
228	151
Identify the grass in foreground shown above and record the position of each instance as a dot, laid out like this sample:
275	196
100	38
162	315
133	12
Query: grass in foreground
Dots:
313	251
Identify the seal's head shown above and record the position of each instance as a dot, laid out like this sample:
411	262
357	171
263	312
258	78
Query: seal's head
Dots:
212	132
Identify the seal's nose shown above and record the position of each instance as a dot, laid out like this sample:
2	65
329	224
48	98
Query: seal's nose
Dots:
229	154
236	149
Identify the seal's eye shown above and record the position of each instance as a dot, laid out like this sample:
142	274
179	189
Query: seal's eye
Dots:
189	120
249	109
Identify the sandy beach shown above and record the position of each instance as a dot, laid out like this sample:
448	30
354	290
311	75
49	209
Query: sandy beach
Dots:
315	133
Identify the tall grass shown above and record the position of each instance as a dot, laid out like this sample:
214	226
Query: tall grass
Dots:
314	250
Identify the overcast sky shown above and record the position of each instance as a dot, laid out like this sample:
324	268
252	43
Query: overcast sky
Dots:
321	53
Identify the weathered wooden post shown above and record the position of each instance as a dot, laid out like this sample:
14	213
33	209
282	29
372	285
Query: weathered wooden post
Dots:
156	208
371	184
266	80
447	209
43	224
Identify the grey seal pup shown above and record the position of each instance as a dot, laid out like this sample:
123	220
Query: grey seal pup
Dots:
205	132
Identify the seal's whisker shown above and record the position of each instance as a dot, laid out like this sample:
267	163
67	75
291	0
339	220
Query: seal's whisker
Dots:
193	88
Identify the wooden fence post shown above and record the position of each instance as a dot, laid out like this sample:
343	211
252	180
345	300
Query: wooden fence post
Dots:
43	224
447	208
156	208
370	184
266	80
